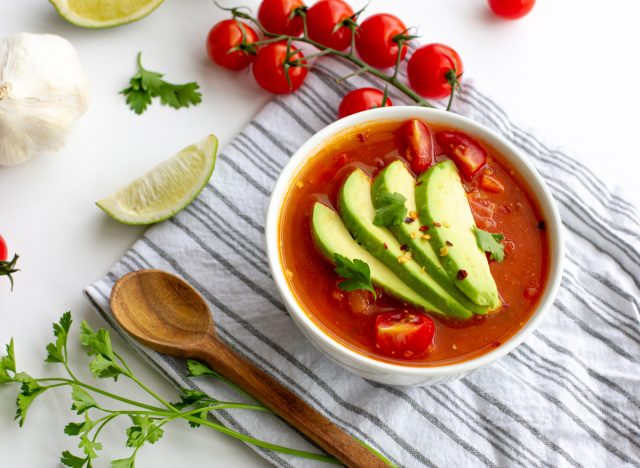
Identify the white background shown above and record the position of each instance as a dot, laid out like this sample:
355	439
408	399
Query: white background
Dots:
569	70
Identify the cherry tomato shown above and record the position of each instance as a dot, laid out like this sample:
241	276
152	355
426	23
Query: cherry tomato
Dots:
511	9
360	100
428	68
322	19
226	35
404	334
415	143
269	70
279	16
3	250
375	41
467	153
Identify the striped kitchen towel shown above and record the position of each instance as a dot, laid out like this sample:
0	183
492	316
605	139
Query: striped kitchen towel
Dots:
568	396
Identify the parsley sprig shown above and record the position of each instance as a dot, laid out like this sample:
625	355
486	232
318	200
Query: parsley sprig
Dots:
147	419
491	243
146	85
356	274
391	209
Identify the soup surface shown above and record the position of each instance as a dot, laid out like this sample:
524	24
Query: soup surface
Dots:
511	211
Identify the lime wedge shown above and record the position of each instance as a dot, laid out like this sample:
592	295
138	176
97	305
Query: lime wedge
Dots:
104	13
167	188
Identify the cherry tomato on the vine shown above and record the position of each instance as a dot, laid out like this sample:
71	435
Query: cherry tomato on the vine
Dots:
226	35
279	16
322	19
511	9
375	40
3	250
360	100
269	68
403	333
429	67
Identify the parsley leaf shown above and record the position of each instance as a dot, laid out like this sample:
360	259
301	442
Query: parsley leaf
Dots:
82	401
356	274
146	85
29	391
197	369
69	459
391	211
124	462
57	352
491	243
8	365
144	430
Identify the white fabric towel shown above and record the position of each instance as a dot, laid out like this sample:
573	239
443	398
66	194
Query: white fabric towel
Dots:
568	396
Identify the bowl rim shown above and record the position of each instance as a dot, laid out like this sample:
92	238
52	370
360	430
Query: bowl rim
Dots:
513	155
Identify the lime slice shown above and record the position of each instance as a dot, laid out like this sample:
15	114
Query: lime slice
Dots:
104	13
167	188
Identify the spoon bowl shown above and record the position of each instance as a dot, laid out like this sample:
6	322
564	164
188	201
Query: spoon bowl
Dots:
162	311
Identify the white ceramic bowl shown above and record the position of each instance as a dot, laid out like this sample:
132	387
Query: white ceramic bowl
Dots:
382	371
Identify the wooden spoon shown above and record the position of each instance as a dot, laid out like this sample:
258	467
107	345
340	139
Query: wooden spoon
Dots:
167	314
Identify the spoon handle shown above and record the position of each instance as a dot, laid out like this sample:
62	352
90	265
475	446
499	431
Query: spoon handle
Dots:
286	404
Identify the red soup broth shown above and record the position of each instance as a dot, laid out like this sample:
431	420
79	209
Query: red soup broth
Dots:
520	277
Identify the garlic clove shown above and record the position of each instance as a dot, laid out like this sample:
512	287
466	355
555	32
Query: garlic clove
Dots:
43	91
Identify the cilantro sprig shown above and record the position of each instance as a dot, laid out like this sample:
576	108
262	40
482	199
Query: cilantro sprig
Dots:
147	419
391	210
491	243
356	274
146	85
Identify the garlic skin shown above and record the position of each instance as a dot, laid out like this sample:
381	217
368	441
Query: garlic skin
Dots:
43	91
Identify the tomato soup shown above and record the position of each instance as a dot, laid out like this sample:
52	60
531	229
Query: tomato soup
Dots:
500	202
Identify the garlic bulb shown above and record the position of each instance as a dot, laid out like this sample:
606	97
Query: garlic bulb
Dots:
43	91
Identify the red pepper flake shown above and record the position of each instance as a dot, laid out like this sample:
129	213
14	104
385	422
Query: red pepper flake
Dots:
542	226
403	247
495	344
424	228
418	183
437	224
361	137
409	220
462	274
449	243
385	246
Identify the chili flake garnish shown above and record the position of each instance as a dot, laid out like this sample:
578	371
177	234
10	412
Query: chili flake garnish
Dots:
418	183
409	220
425	236
385	246
444	251
413	214
403	247
437	224
449	243
542	226
424	228
462	274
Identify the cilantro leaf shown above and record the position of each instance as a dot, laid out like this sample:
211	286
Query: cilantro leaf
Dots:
57	352
8	365
69	459
356	274
74	429
82	401
491	243
89	447
124	462
146	85
392	210
29	391
197	369
96	342
144	430
102	368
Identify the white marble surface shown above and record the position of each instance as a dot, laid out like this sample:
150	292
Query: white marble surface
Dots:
568	70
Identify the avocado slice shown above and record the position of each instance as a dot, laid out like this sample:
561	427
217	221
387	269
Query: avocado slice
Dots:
443	206
332	237
396	178
357	212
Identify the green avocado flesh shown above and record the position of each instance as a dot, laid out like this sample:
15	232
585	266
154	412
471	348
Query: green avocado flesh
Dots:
357	212
443	206
332	237
396	178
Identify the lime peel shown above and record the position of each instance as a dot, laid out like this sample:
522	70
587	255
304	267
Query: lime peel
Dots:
104	14
166	189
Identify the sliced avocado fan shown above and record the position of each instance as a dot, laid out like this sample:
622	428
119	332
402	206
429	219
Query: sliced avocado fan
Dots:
332	237
358	212
396	178
443	206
